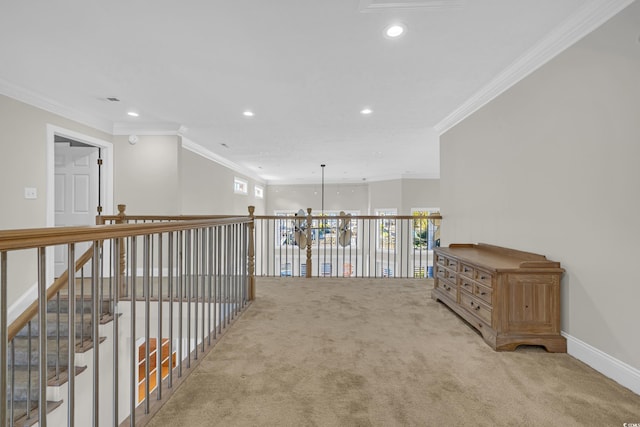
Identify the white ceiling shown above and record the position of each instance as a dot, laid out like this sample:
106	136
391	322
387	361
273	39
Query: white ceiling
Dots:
305	68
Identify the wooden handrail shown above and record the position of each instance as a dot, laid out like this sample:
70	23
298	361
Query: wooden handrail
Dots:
352	217
41	237
32	311
164	217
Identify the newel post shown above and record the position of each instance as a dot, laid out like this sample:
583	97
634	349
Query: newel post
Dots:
252	255
309	269
122	220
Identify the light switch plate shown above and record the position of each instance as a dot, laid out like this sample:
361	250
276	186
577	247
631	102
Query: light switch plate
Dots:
30	193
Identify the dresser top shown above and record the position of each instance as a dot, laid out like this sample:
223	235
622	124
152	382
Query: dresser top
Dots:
497	258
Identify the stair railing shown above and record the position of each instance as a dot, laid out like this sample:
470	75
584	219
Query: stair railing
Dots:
26	320
201	268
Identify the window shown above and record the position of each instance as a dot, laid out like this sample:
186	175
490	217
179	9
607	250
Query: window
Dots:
426	233
325	232
326	269
387	229
259	192
347	269
287	228
240	186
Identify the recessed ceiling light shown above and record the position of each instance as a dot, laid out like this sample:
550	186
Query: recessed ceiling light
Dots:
248	113
393	31
366	111
133	114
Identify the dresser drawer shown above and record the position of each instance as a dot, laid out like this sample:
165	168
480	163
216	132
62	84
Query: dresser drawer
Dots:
450	275
445	274
476	307
450	289
485	293
452	264
441	260
467	285
483	277
466	270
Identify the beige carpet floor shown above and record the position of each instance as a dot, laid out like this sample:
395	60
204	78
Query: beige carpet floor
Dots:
320	352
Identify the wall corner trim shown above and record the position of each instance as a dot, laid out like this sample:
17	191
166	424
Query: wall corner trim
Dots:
39	101
622	373
588	18
198	149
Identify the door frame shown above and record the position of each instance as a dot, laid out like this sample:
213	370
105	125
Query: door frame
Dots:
107	178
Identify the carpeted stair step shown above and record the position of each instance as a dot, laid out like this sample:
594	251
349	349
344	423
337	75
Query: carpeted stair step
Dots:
81	305
20	378
57	326
20	413
21	350
83	326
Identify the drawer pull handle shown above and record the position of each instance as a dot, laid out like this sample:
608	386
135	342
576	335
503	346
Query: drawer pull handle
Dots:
483	293
477	307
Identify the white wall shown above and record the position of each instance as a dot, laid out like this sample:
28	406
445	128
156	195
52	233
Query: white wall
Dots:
23	163
420	193
154	176
147	176
206	187
337	197
401	194
551	166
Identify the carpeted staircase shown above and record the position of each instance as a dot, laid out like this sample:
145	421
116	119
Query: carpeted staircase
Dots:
22	410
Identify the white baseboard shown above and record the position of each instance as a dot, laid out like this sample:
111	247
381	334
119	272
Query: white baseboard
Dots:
611	367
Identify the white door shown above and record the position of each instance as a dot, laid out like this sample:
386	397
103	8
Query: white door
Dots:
76	194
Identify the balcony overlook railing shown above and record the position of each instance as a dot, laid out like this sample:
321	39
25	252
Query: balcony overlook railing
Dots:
136	301
346	245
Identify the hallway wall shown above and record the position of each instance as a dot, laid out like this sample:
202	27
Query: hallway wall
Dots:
400	194
23	163
156	175
147	177
551	166
206	187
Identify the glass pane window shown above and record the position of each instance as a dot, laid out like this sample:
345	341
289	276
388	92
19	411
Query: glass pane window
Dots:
426	232
386	236
240	186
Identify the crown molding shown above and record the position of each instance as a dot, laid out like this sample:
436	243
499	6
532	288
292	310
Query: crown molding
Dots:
588	18
366	6
39	101
198	149
145	128
378	178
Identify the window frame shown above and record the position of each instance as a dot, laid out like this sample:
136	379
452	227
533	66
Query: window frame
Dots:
240	186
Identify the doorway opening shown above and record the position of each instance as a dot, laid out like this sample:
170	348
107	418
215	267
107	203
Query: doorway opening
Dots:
79	186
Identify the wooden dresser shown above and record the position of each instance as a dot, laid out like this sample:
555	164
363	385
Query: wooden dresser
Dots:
511	297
